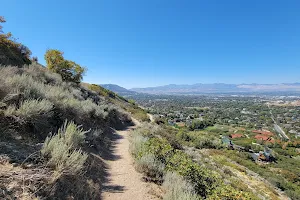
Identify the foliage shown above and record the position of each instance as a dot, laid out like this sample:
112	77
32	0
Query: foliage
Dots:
200	124
159	147
31	89
63	149
178	188
175	160
12	52
132	101
151	166
69	70
32	110
137	143
203	180
228	192
138	113
2	20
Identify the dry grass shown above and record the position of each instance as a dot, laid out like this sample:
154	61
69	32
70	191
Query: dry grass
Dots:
177	188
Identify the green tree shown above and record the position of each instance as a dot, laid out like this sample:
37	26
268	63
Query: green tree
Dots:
69	70
2	20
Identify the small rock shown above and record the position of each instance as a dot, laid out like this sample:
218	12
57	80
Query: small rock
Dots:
14	164
19	137
29	165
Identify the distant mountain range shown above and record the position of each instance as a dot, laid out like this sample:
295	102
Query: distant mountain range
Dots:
118	89
200	88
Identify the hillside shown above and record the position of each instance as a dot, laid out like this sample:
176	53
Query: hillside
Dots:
118	89
11	51
220	88
36	102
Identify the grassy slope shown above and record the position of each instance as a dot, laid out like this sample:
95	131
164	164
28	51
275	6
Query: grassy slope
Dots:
35	102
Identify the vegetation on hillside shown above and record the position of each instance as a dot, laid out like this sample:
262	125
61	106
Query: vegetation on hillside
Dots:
156	157
69	70
38	106
128	105
11	51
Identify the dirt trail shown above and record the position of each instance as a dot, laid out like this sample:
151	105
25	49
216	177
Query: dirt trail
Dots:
124	181
150	117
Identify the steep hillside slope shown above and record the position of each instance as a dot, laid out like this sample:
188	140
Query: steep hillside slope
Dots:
51	132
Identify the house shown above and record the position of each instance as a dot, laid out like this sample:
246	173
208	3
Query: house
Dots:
263	132
180	124
265	155
225	140
171	122
264	138
237	135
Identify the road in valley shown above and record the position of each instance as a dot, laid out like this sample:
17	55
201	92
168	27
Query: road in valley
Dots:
277	128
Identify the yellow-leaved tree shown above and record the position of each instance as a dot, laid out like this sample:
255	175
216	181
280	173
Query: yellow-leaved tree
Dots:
69	70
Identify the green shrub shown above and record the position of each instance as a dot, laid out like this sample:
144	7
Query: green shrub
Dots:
52	78
35	112
203	179
73	135
98	89
208	143
139	114
183	136
56	93
63	149
177	188
27	85
34	109
149	165
158	147
228	192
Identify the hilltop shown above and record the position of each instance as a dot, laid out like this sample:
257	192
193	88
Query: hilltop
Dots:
118	89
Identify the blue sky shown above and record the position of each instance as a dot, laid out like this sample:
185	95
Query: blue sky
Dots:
138	43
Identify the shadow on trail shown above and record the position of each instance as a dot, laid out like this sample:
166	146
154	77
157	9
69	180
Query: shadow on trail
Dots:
101	152
88	185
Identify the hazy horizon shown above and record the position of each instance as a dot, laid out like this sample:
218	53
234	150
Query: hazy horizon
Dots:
199	83
143	44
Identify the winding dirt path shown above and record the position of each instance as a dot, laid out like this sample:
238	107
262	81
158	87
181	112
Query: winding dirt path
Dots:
124	181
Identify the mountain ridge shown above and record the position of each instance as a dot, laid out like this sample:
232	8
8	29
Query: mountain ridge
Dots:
218	88
118	89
